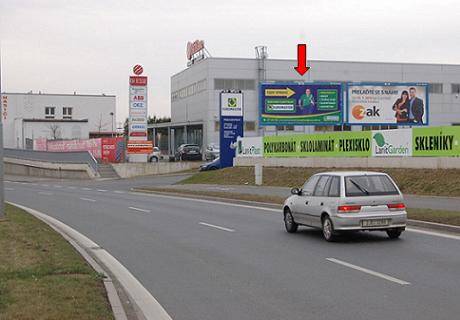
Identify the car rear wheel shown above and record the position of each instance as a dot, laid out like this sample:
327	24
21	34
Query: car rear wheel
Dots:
394	233
289	222
328	229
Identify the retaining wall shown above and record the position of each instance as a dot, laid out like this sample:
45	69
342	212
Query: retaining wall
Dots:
128	170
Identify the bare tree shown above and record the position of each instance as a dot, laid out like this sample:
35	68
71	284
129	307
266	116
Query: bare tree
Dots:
55	131
101	126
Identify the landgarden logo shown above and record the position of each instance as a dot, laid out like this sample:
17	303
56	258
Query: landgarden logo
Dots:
384	148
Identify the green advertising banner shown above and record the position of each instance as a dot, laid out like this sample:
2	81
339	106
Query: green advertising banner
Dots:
334	144
436	142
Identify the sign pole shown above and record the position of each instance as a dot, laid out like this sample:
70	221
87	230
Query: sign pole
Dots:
2	190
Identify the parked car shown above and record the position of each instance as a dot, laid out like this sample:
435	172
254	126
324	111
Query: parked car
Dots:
347	201
212	152
213	165
155	156
188	152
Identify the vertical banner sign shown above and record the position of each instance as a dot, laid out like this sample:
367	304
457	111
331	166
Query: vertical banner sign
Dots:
300	104
231	125
137	106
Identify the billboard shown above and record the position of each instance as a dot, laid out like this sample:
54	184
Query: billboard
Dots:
333	144
436	141
387	104
299	103
231	125
138	104
139	147
249	147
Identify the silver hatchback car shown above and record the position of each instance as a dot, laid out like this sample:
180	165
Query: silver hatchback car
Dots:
347	201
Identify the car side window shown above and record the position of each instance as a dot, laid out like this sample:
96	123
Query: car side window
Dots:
321	186
334	189
309	186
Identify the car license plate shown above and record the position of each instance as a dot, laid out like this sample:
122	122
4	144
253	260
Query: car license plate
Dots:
192	152
375	222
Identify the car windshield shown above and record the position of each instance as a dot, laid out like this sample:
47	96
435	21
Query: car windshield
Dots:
369	185
192	147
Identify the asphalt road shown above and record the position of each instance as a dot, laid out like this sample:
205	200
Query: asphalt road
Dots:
207	260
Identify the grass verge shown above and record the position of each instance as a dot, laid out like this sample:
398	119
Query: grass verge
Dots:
439	182
42	276
438	216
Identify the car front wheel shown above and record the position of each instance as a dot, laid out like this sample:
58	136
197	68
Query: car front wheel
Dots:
328	230
394	233
289	222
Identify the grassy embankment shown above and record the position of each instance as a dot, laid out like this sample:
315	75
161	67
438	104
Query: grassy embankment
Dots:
42	276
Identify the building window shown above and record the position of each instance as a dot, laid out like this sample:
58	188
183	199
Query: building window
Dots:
67	113
435	87
285	128
49	112
234	84
216	125
344	127
249	126
455	88
324	128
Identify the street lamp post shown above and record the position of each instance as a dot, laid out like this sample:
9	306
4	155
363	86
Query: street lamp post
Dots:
111	113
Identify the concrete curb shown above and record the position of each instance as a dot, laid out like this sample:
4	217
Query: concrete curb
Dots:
410	222
112	294
146	306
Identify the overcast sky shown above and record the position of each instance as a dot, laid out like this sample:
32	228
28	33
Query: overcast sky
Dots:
90	46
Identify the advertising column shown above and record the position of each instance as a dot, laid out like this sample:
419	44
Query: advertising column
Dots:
137	122
231	125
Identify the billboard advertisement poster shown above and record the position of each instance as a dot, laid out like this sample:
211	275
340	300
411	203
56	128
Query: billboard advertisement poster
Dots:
249	147
231	125
93	146
392	143
436	141
138	109
387	104
298	103
113	149
334	144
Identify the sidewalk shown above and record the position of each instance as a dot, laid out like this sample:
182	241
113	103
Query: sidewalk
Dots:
412	201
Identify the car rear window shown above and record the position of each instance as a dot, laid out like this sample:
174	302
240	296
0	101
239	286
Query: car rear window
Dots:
369	185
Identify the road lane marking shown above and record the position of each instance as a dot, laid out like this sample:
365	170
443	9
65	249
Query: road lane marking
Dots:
101	190
57	186
45	193
368	271
217	227
139	209
34	184
88	199
409	229
9	189
43	185
71	187
87	189
116	191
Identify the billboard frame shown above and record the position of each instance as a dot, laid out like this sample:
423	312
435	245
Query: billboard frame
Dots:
341	104
383	84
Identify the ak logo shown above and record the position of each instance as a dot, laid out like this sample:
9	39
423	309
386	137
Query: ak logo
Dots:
232	102
359	112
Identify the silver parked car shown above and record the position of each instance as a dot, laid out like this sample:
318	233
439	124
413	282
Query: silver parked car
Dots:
347	201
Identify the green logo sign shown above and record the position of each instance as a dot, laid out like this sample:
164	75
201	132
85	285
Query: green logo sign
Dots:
232	102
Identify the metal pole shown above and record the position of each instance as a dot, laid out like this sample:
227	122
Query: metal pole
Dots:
2	195
111	113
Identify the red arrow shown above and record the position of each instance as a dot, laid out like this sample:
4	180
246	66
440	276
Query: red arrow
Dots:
302	59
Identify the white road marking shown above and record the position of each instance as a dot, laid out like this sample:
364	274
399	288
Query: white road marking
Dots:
87	189
139	209
217	227
434	233
34	184
88	199
409	229
57	186
43	185
374	273
101	190
9	189
117	191
71	187
45	193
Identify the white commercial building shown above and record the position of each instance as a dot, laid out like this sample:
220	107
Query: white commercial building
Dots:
195	93
28	116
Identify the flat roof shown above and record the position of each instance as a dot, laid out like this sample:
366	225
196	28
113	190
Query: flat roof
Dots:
59	94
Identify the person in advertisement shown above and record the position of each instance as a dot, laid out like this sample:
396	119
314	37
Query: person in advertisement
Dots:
416	110
401	108
307	101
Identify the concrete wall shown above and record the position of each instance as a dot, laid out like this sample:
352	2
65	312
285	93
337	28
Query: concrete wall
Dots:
320	162
48	169
128	170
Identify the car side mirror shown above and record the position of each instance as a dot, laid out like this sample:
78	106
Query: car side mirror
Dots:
296	191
